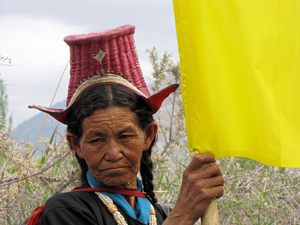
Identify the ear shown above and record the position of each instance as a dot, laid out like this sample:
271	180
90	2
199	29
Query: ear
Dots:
74	142
150	134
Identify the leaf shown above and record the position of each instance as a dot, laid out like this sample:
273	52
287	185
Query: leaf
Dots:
167	179
52	137
28	187
42	162
184	166
13	170
57	165
29	190
160	180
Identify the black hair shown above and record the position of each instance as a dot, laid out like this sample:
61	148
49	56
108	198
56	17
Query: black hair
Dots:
104	96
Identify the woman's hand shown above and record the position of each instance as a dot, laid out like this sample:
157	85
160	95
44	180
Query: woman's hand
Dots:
202	182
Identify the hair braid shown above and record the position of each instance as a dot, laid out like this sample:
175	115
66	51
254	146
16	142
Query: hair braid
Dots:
146	171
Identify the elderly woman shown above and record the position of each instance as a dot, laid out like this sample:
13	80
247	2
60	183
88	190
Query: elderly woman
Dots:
110	127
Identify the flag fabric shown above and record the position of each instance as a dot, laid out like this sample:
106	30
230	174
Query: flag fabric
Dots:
240	73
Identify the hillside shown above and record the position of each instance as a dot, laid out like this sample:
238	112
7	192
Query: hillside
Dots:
29	129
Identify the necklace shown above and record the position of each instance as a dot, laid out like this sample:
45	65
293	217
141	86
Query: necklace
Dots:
108	202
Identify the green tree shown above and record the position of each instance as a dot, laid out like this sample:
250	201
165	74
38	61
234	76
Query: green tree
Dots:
4	61
3	100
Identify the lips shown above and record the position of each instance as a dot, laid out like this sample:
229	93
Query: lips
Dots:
113	169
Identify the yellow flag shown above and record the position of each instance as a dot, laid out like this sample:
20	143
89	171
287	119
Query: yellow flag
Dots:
240	69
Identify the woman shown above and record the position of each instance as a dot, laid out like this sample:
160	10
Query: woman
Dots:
110	126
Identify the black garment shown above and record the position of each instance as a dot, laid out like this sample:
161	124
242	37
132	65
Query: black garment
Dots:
85	208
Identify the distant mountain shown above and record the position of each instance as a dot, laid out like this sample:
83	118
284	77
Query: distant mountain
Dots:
29	130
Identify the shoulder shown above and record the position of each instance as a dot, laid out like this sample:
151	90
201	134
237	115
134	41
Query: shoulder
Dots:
69	200
71	208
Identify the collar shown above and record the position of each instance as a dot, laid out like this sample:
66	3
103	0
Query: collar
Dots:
142	205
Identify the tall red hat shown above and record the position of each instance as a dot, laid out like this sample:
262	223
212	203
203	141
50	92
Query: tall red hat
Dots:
107	57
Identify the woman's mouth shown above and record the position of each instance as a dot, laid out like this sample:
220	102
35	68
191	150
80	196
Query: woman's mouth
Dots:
114	169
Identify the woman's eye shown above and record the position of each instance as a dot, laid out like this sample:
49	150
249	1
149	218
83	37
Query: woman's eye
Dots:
125	136
97	140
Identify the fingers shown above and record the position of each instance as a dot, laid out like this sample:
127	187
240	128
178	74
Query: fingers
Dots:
214	186
200	159
210	170
218	191
203	165
210	187
203	174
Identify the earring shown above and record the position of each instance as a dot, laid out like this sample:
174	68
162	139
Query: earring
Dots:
80	153
145	145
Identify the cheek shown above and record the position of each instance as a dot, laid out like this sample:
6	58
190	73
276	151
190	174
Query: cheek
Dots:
135	159
92	163
92	157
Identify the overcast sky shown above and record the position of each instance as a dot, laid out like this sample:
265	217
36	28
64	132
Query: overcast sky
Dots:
32	32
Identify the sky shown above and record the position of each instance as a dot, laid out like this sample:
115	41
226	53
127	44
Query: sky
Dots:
32	32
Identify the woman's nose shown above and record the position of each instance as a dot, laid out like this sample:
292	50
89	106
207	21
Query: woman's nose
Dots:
113	151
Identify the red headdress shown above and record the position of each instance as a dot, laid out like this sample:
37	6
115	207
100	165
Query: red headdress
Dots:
107	57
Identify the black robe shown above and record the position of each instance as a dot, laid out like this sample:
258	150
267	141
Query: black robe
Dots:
85	208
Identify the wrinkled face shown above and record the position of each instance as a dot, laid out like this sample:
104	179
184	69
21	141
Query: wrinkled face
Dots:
112	144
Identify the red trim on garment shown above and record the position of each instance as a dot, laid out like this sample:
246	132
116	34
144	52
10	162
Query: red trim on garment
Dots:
36	216
112	190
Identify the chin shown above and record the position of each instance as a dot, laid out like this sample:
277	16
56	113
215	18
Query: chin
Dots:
121	183
116	178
